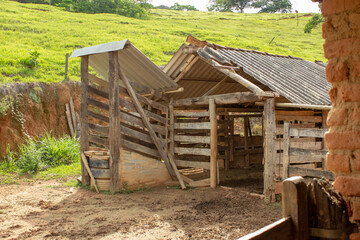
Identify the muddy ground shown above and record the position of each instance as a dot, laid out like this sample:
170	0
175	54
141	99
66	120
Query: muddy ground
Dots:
48	210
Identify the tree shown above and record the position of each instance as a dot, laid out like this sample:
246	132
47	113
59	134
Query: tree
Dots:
179	7
229	5
273	6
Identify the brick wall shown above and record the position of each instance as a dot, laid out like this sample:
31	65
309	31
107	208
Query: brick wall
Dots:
341	31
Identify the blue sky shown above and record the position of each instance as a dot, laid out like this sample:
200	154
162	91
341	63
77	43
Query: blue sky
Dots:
301	5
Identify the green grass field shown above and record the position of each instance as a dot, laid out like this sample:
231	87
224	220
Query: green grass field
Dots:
54	32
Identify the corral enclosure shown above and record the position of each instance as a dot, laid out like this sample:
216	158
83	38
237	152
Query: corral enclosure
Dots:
210	110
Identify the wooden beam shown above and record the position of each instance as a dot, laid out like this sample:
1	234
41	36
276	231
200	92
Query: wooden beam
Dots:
279	230
193	125
310	172
84	124
294	200
192	164
229	98
233	75
192	151
306	132
213	143
246	140
269	149
115	131
316	119
192	139
286	155
191	114
86	166
166	157
187	68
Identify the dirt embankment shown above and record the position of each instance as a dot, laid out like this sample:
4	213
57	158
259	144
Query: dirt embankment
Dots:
34	109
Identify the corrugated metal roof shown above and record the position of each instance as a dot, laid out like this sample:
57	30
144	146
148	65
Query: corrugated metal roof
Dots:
136	66
296	80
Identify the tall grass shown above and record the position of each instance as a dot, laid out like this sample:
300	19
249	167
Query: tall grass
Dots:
42	153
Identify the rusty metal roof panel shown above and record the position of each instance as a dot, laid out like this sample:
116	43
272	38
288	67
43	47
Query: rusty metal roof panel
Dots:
136	66
298	80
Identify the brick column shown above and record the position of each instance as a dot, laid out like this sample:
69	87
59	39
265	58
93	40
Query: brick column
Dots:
341	30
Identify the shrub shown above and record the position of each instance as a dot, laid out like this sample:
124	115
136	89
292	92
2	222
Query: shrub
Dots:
44	151
56	152
313	22
32	60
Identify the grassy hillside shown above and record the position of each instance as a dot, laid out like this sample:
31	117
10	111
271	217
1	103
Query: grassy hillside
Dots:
54	32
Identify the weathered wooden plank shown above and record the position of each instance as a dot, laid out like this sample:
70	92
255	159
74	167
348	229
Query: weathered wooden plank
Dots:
150	114
69	120
280	127
98	81
140	148
114	126
98	92
306	152
97	140
73	115
192	139
316	119
130	118
279	230
192	164
100	173
191	114
305	132
86	165
294	199
304	145
84	141
147	101
229	98
195	125
311	172
98	104
193	151
306	159
99	128
295	113
213	144
98	116
96	153
96	163
269	149
286	157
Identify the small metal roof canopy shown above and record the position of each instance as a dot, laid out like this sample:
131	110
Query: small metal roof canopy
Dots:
139	69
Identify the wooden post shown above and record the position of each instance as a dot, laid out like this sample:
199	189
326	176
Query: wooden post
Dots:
114	131
213	143
66	66
246	141
84	141
232	143
325	126
171	129
269	149
286	155
294	200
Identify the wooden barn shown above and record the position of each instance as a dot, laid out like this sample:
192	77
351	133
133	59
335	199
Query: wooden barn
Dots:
211	108
271	111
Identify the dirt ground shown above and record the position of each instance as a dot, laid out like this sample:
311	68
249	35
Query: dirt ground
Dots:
47	210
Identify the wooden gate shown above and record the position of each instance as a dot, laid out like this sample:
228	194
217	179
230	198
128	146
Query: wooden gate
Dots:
304	158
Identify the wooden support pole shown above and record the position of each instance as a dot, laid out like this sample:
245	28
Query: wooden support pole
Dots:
213	143
324	126
84	137
86	165
295	205
286	153
269	149
232	141
169	160
114	132
246	141
70	122
73	115
171	129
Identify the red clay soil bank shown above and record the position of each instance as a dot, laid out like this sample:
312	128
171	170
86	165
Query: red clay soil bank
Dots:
341	30
34	109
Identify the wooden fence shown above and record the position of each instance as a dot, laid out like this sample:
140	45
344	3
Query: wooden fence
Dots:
310	211
302	154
